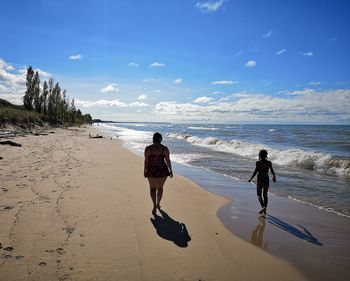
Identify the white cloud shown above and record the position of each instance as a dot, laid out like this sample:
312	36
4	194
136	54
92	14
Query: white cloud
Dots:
249	50
241	95
142	97
308	54
76	57
178	81
133	64
112	87
280	52
151	80
217	93
300	107
157	64
43	74
224	82
108	103
13	82
202	100
268	34
9	67
138	104
209	6
299	92
99	103
250	63
224	99
315	83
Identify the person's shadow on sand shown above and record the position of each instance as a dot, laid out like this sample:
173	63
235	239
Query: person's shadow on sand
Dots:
305	234
171	230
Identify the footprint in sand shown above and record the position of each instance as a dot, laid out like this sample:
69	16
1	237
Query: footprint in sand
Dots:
60	251
9	249
19	257
69	229
6	208
43	263
4	189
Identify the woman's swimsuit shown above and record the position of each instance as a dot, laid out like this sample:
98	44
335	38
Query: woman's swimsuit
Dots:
156	166
263	176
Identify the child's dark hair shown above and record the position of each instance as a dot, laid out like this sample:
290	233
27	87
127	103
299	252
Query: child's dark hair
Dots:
262	154
157	138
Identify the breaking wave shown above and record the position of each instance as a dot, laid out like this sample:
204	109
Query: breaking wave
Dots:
297	158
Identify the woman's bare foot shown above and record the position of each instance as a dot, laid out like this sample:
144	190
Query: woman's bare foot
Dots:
263	210
154	211
158	206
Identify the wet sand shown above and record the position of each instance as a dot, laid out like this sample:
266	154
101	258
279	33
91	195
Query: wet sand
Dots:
74	208
317	242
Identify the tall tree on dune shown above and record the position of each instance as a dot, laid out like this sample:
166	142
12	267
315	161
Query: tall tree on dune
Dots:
36	92
28	96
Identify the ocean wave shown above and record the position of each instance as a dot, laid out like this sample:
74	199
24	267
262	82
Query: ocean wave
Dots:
204	128
297	158
185	158
125	133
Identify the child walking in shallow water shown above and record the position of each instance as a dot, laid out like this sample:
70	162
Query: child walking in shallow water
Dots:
262	186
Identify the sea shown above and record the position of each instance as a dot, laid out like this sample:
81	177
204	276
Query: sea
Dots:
311	162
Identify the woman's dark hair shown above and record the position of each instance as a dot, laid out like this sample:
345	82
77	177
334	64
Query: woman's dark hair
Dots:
262	154
157	138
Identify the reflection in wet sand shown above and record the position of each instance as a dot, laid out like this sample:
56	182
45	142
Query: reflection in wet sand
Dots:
257	237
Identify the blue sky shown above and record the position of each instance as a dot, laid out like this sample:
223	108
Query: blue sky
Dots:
183	60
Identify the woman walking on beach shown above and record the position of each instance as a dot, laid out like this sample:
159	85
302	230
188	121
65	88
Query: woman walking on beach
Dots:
262	186
157	168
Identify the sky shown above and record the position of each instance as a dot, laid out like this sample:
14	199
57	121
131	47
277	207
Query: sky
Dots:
218	61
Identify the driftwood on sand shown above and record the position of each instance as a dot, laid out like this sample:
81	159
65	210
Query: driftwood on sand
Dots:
10	143
95	137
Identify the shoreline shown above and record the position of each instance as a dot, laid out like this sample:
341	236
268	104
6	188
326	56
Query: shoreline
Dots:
282	226
312	239
74	210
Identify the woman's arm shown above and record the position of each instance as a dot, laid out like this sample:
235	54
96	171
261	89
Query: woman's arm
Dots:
168	162
273	173
254	173
146	162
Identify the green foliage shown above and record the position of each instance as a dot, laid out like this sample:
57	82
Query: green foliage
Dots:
29	94
49	104
18	115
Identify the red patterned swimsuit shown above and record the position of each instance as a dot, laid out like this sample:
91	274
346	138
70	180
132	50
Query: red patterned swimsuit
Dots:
156	166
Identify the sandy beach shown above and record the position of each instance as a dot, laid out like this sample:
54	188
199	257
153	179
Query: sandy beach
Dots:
74	208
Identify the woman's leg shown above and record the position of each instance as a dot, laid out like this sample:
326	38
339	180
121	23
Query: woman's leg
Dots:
259	188
265	190
161	182
153	192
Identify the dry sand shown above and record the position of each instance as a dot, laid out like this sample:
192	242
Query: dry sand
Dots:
74	208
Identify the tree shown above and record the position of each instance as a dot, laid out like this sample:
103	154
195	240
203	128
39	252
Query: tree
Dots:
36	92
51	101
28	96
73	112
44	97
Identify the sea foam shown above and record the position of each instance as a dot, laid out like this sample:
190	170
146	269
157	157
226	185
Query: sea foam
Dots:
297	158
